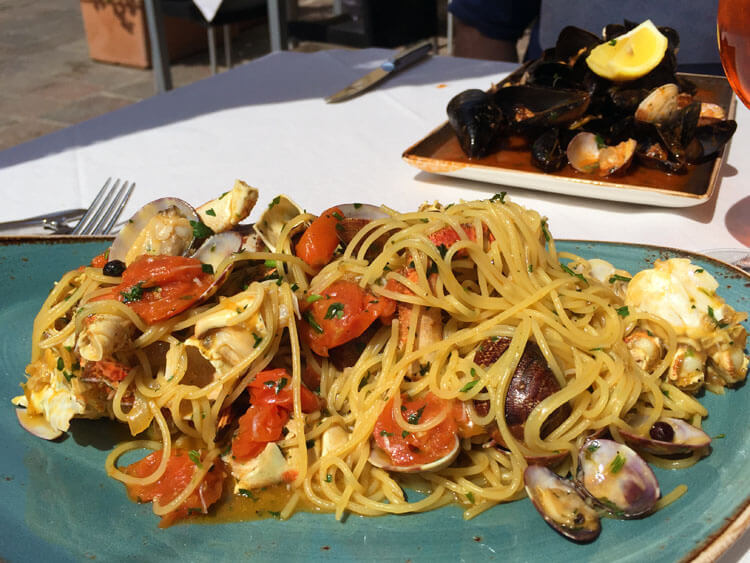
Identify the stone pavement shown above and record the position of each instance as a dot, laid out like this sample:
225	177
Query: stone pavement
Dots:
48	81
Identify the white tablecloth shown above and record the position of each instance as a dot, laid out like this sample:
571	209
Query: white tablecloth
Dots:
266	122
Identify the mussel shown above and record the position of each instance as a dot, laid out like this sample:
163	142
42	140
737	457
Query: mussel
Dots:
476	120
617	478
547	152
561	504
667	436
532	109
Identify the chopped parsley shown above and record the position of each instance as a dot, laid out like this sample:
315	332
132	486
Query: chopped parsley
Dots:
415	416
195	457
618	277
617	464
470	496
207	268
592	447
623	311
258	340
469	386
424	368
211	212
313	297
329	477
134	294
499	197
337	216
612	42
386	433
201	230
572	273
313	323
442	249
545	232
714	319
274	201
719	436
405	433
335	311
247	493
280	384
60	364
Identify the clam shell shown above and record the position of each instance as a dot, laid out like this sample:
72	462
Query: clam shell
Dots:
214	251
381	459
280	211
37	425
561	504
617	478
686	437
140	235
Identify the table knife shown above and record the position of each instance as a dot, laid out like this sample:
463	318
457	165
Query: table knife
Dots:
403	58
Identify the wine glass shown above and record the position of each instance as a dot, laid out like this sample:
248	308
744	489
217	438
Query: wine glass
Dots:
733	31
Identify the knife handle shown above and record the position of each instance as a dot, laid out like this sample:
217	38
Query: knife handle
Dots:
408	55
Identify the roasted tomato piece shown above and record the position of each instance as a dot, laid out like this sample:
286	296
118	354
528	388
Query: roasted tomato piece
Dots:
319	241
160	287
180	470
340	314
416	448
271	402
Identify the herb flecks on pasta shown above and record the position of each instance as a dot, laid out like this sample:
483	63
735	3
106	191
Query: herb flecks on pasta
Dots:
325	358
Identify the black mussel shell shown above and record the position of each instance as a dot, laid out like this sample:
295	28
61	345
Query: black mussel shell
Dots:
709	139
547	153
572	41
677	133
476	120
673	38
652	154
553	74
663	73
533	109
626	100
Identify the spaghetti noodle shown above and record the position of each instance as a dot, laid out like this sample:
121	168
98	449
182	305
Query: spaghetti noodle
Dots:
400	353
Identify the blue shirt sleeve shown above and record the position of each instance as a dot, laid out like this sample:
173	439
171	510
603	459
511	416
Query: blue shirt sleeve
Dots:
496	19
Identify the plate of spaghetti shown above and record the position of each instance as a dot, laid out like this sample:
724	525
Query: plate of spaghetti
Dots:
450	383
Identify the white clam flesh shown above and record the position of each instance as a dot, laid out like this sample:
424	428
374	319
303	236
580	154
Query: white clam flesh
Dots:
164	226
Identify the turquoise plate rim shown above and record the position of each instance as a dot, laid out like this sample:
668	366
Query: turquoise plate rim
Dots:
59	504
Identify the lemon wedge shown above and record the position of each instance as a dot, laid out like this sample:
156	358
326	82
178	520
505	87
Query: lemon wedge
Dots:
630	55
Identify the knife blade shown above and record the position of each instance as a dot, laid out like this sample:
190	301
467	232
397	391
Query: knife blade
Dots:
406	56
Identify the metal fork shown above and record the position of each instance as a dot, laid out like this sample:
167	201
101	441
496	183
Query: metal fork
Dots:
105	209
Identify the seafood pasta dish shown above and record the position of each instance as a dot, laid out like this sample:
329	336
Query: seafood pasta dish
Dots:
328	359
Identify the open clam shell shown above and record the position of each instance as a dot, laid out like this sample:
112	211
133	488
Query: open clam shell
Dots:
561	504
280	211
617	478
37	425
667	436
162	226
213	252
381	459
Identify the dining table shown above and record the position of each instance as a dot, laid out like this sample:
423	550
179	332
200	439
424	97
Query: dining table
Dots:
266	122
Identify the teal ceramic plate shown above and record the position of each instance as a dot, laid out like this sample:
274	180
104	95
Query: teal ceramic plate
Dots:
57	504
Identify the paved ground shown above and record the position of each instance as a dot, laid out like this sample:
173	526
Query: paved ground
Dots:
48	81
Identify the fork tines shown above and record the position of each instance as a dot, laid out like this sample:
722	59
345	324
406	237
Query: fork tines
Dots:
105	209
